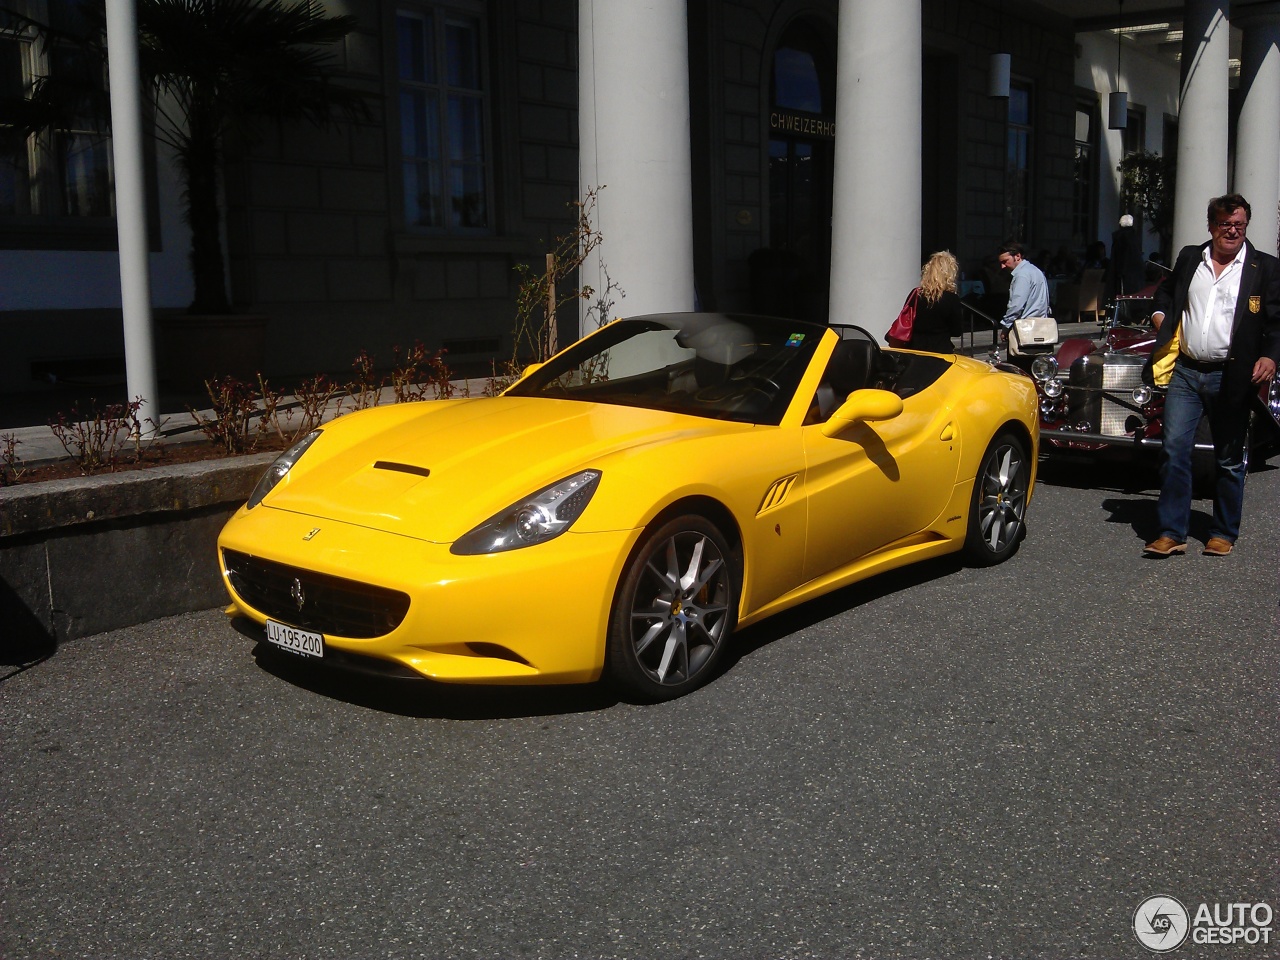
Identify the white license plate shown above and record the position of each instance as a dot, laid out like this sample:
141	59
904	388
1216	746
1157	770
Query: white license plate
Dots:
303	642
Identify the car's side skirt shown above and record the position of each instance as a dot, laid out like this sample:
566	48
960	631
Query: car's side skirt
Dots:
922	546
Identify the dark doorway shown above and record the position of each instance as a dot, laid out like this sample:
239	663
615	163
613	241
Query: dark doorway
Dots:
790	277
940	146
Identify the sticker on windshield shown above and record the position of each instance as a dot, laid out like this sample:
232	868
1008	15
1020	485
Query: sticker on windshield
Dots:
795	340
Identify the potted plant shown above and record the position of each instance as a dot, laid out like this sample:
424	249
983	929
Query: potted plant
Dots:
1147	182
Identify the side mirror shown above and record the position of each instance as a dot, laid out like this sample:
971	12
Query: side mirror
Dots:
529	369
862	406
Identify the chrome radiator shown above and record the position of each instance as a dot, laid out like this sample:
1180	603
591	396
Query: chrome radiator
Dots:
1099	392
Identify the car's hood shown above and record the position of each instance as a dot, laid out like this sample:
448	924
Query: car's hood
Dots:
1139	340
442	469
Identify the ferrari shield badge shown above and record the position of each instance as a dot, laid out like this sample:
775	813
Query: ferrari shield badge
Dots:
1255	304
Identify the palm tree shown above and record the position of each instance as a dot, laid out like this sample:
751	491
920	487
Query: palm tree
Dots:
218	67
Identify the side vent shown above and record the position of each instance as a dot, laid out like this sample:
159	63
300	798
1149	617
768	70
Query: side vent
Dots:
776	495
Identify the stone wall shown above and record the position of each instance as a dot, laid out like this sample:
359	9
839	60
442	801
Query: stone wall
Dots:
317	240
81	556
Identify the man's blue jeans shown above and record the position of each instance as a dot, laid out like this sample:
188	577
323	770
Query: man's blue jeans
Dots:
1190	394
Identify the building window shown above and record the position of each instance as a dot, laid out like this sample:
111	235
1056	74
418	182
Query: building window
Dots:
1084	194
1135	141
1018	163
444	129
1135	131
55	144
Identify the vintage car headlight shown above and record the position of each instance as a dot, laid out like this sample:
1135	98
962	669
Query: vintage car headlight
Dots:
1053	388
1142	395
537	518
1044	367
282	465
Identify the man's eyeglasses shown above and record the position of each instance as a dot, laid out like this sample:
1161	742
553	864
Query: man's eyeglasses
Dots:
1232	225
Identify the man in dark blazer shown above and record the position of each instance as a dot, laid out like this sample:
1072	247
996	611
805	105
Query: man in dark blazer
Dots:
1126	273
1223	301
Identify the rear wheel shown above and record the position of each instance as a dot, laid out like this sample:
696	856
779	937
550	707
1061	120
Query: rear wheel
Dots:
999	502
674	610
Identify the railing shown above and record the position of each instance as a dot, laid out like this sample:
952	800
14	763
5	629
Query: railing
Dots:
995	327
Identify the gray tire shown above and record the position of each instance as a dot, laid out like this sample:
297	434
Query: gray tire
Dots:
673	612
998	509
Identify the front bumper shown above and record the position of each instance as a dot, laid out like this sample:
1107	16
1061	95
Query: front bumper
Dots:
536	615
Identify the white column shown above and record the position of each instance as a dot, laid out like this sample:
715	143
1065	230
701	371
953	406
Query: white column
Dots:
1202	118
131	209
1257	176
633	123
875	227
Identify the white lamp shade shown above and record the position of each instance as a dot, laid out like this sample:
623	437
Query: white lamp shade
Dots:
1118	110
998	75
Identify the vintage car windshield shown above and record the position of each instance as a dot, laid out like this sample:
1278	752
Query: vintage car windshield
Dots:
727	367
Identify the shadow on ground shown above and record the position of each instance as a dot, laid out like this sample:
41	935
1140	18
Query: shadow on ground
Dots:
1115	472
429	699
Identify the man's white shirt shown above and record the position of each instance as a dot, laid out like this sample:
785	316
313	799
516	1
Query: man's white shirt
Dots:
1211	308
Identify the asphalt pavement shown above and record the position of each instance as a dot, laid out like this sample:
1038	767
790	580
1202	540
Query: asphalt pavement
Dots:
939	763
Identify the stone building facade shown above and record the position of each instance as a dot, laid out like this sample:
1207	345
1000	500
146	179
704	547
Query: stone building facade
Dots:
409	226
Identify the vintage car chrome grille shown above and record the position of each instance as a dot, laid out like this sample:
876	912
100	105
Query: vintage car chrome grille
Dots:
1100	388
315	601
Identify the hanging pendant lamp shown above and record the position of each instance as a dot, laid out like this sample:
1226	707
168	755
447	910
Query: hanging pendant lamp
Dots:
998	69
1118	101
998	76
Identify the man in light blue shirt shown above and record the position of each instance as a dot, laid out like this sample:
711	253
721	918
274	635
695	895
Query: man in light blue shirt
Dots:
1028	290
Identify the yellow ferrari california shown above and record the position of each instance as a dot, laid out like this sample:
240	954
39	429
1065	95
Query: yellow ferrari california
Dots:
622	509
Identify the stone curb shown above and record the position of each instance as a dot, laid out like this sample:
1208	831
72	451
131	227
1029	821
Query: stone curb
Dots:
90	554
55	504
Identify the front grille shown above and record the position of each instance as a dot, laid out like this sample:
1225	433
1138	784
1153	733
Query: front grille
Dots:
331	605
1100	388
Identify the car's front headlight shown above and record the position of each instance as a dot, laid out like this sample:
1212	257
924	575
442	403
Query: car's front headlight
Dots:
537	518
1044	368
278	470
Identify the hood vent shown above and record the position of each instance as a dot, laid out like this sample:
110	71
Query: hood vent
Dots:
402	468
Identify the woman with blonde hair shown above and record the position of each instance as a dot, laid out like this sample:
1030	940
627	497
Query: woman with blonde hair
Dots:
939	314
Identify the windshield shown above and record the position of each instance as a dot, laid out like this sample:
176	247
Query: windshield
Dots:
726	367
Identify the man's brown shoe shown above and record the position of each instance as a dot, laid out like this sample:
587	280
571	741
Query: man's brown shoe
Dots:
1217	547
1166	546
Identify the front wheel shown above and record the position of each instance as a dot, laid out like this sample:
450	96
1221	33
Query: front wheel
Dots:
999	504
674	610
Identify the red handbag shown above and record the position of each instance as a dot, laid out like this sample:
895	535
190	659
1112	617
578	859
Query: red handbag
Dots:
899	334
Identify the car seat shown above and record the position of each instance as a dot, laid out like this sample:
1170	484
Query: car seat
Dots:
852	364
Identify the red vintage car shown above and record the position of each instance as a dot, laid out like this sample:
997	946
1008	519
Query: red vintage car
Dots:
1092	398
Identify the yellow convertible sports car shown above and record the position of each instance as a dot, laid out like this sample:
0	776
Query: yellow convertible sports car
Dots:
623	508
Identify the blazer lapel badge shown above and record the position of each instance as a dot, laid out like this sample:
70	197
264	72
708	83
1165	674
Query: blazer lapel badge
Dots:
1255	304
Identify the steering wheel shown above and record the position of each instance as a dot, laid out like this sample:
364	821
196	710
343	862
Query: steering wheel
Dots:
757	381
748	392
